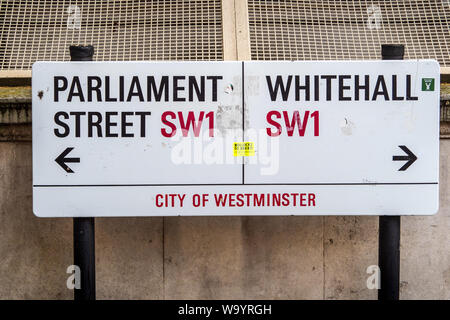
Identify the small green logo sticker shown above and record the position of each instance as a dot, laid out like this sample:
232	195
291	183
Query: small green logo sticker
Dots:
427	84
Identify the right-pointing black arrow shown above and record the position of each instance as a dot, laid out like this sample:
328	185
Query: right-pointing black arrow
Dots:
61	160
411	157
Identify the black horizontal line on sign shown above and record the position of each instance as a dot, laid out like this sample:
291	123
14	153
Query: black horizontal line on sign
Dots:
233	184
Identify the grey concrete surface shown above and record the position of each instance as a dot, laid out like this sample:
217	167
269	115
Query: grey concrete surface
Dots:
129	258
425	245
243	258
34	252
350	246
214	257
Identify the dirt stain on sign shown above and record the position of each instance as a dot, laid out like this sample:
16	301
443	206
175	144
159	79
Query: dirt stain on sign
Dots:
347	127
228	118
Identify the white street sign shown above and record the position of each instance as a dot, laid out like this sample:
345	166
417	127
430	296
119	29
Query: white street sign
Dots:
173	138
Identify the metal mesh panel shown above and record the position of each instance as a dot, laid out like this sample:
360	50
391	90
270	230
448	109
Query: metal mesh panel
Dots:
351	29
119	30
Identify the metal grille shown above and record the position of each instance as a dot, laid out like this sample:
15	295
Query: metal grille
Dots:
350	29
119	30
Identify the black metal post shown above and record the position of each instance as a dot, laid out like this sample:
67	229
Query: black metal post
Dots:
389	226
84	228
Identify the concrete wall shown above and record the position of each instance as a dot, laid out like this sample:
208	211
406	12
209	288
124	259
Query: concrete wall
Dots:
214	257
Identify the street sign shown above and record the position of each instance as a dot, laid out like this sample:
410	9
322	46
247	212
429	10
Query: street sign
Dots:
235	138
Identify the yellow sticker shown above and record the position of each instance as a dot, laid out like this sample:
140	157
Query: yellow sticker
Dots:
243	149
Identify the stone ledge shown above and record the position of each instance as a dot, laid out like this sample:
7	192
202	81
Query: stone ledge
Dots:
15	113
15	132
20	94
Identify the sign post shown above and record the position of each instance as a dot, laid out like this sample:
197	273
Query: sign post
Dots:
389	226
83	227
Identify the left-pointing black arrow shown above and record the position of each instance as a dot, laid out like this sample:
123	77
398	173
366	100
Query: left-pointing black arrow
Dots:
61	160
